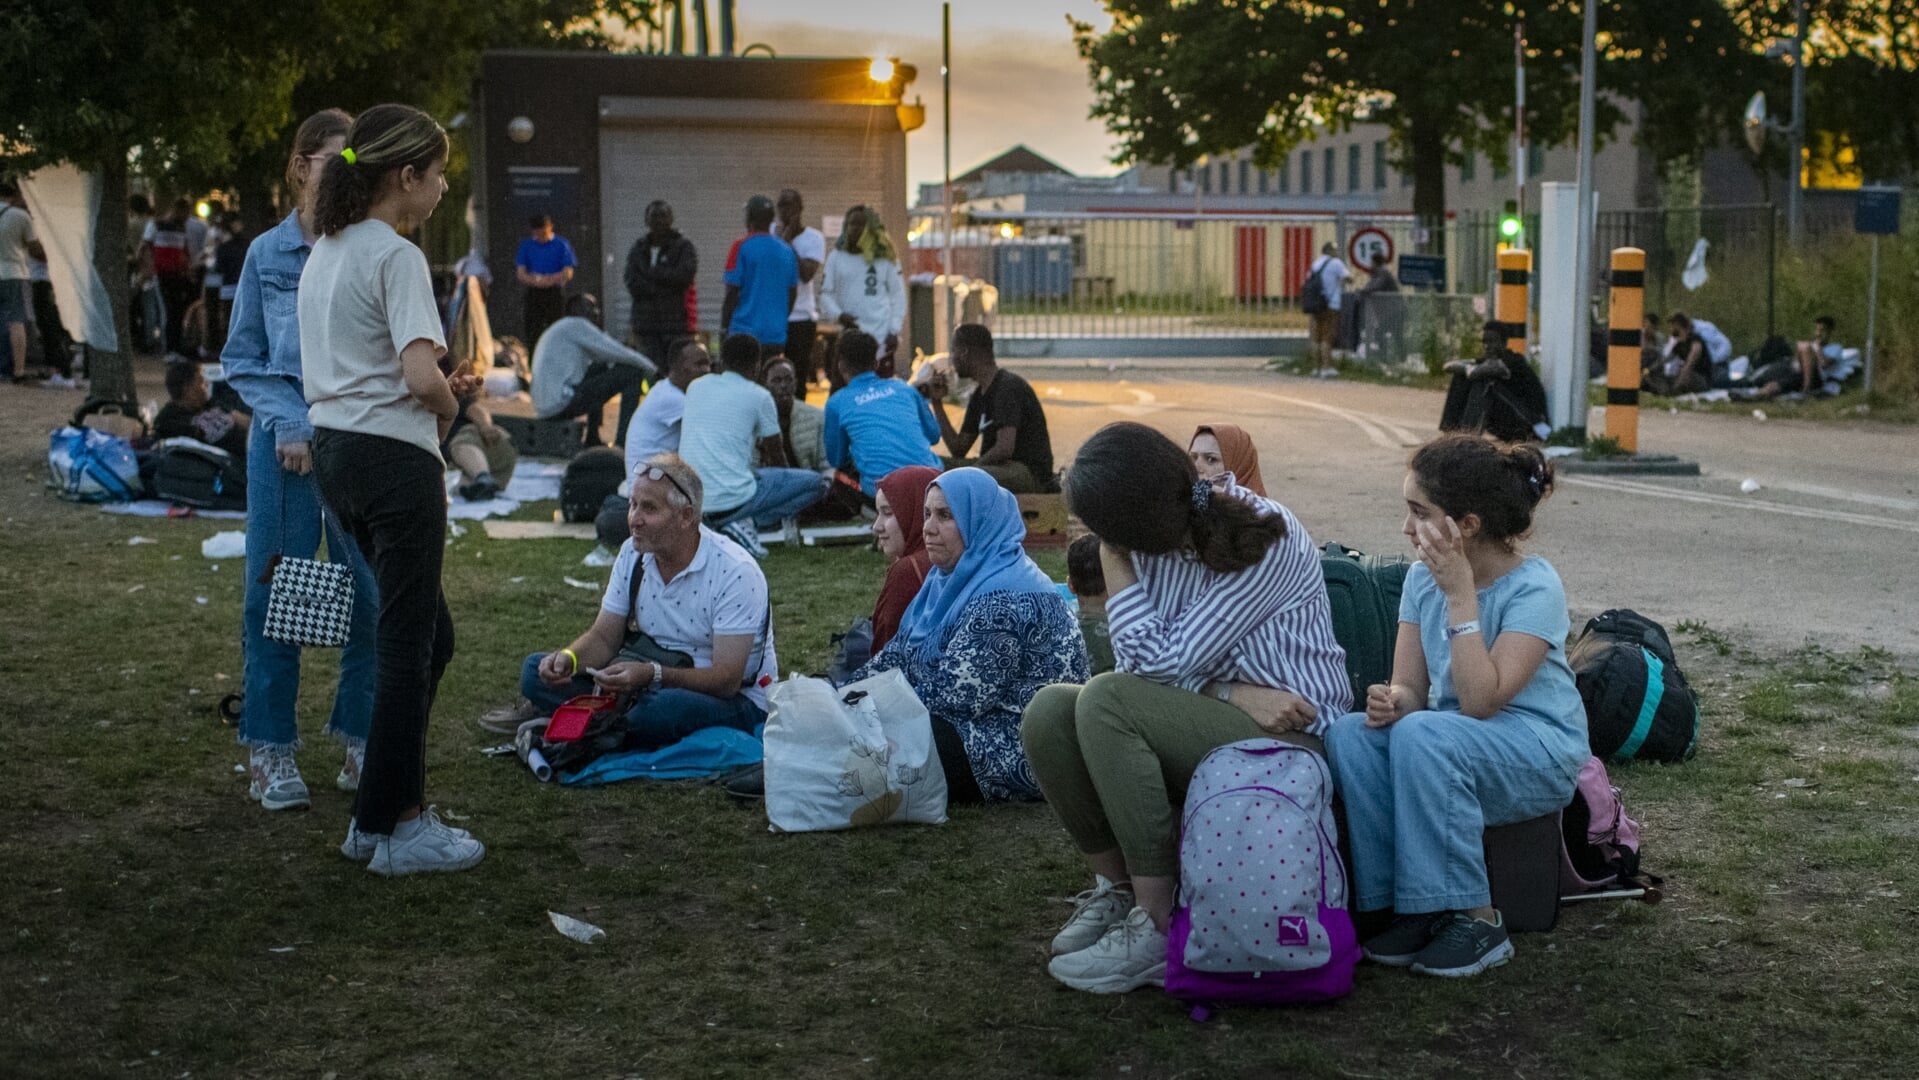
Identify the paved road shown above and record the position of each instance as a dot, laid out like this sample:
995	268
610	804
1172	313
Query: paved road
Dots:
1822	551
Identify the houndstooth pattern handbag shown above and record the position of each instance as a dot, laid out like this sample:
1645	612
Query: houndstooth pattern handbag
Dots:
309	603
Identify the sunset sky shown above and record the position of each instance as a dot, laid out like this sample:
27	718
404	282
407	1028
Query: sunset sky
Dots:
1016	77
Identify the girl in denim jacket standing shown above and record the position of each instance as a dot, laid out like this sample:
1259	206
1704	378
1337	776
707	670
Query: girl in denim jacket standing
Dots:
262	360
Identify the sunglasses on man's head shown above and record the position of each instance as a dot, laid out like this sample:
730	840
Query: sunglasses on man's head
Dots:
654	472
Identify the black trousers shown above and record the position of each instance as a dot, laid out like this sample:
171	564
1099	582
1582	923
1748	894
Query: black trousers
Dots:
391	498
56	348
801	334
596	388
179	292
544	307
1486	405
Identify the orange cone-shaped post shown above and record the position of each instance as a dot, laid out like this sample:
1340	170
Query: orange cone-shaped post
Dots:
1626	312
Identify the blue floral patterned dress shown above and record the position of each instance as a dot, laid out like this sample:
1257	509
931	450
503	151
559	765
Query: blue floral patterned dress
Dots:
1003	647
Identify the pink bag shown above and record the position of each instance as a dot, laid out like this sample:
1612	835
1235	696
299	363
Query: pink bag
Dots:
1602	843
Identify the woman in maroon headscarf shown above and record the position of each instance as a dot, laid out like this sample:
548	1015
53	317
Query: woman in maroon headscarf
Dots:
901	501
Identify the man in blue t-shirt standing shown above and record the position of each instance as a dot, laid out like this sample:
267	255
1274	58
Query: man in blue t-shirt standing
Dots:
762	281
876	425
544	265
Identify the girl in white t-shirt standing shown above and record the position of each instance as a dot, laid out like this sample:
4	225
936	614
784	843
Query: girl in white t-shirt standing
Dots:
370	344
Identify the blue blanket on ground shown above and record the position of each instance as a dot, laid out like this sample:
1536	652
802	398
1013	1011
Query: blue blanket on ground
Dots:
708	752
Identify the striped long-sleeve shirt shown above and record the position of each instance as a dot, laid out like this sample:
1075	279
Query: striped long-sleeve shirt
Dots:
1270	624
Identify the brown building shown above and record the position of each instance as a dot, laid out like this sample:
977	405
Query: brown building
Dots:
591	138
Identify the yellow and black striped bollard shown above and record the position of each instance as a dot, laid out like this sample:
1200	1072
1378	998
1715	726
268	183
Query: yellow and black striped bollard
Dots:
1510	304
1626	309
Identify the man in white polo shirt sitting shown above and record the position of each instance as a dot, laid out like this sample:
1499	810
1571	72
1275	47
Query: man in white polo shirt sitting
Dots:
685	624
727	415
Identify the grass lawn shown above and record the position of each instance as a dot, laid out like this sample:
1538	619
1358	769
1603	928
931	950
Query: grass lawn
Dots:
159	925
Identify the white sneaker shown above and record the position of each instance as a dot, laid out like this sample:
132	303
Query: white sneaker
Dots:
349	778
359	846
1095	911
425	845
274	779
1130	955
790	533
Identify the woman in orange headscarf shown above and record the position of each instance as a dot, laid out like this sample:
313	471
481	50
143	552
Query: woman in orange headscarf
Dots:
1226	448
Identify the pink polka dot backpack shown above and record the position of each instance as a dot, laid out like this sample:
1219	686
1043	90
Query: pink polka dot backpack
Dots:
1262	893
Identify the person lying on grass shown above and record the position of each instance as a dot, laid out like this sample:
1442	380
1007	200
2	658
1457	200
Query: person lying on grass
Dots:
684	626
1221	631
1482	631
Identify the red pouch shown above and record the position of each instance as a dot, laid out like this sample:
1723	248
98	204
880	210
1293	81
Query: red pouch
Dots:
570	720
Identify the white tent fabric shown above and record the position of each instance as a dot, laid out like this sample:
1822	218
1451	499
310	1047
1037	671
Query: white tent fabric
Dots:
65	203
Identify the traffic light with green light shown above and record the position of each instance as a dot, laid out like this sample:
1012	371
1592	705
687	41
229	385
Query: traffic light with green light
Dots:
1509	223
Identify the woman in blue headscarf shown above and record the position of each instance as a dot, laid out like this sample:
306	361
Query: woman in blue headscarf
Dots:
986	631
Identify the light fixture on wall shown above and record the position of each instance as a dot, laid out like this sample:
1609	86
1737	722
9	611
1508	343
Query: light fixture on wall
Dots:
520	129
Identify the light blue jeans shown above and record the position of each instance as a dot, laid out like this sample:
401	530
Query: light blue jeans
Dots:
780	494
283	518
1420	794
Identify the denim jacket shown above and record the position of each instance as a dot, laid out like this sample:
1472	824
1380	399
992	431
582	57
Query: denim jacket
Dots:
262	354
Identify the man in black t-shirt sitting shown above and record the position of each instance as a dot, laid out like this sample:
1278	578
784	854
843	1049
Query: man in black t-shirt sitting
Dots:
1003	414
190	414
1499	394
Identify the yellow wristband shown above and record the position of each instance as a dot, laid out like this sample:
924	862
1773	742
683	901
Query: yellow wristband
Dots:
573	656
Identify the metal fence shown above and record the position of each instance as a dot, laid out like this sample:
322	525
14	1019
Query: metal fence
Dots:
1156	275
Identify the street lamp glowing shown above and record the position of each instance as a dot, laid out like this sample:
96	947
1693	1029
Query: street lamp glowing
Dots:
202	210
881	71
1006	231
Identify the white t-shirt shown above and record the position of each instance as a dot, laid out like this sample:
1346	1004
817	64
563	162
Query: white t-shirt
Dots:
16	231
366	295
721	593
1332	276
654	429
725	415
809	244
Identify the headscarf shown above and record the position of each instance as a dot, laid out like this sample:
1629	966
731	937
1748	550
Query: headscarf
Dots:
905	491
874	244
1237	452
989	522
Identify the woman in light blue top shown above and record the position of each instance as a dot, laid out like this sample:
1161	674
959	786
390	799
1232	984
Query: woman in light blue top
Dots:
284	518
1482	724
986	631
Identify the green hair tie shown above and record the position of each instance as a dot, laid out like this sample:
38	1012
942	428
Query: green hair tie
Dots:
350	156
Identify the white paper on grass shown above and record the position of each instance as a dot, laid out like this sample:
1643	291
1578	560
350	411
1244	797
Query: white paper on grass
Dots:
835	765
225	545
583	932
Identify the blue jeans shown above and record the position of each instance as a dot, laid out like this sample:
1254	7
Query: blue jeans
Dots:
659	718
780	494
271	678
1420	794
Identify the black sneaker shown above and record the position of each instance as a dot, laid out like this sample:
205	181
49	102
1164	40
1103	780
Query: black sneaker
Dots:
1465	946
481	489
1399	944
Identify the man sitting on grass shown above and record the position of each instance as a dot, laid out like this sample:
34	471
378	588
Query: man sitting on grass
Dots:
685	625
190	414
1813	365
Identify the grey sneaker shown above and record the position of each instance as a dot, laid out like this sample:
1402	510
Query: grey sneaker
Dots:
1095	911
1398	945
359	846
1465	946
425	845
1131	954
506	721
273	779
349	778
743	533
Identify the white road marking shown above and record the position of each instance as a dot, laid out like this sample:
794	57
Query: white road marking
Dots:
1820	491
1145	405
1381	431
1844	517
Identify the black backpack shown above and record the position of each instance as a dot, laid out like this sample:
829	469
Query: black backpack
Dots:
1312	291
1364	593
191	473
590	477
1638	703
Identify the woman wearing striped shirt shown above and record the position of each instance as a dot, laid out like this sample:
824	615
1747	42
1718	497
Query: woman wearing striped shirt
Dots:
1222	631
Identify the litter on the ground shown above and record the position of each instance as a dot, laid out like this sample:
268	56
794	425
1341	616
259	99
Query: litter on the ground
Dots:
160	508
231	544
135	589
281	949
599	556
135	540
1796	782
1749	485
199	599
1759	414
537	530
583	932
515	580
578	584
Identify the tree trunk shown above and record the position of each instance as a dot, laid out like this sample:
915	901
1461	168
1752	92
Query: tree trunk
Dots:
112	372
1427	141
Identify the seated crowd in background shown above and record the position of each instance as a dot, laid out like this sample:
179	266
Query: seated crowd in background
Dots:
578	368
